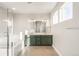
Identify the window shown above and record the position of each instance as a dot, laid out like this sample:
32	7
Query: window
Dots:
65	12
55	18
60	15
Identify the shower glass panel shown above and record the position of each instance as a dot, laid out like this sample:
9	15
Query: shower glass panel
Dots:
5	32
3	39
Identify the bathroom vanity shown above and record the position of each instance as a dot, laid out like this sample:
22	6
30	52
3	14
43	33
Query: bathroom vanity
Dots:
40	39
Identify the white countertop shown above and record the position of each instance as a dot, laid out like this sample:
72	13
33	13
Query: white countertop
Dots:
41	34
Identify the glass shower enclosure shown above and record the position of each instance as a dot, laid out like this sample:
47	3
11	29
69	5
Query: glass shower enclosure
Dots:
6	32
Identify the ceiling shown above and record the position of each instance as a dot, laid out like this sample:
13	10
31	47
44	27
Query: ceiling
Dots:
30	8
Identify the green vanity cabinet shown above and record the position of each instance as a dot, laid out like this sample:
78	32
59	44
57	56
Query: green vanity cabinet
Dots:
41	40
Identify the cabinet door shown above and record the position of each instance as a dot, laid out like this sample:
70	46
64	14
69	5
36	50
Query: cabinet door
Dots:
50	40
46	40
37	39
32	40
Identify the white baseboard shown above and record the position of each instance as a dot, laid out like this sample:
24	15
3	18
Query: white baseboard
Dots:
57	51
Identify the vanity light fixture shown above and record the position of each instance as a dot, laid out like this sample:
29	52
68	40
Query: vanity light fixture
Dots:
13	8
29	2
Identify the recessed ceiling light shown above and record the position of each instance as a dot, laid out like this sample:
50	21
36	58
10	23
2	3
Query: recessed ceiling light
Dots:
29	2
13	8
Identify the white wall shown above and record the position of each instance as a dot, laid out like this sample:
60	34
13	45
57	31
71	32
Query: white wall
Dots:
22	23
66	34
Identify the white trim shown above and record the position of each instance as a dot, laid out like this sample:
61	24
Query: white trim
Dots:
57	51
